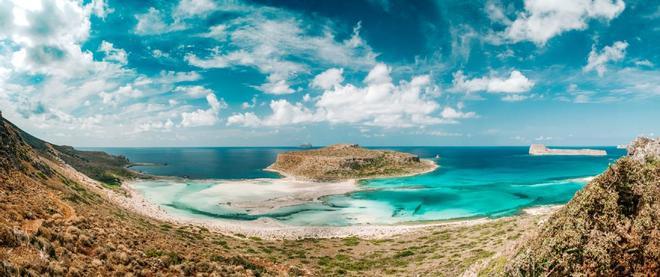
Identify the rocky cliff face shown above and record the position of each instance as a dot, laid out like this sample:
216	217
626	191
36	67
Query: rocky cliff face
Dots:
347	161
611	227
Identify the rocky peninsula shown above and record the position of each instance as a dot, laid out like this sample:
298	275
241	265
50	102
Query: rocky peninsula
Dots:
541	150
348	161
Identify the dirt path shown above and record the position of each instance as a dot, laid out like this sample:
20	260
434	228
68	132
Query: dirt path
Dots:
67	211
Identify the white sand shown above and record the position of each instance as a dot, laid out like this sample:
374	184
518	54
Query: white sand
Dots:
540	210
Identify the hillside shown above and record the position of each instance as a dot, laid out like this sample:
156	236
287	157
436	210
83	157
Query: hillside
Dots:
348	161
103	167
611	227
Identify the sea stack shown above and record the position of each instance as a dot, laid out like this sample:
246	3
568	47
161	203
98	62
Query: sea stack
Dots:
541	150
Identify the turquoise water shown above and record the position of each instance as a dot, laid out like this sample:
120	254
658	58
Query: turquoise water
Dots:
471	182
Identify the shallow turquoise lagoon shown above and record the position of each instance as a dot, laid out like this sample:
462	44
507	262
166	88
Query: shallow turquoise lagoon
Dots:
471	182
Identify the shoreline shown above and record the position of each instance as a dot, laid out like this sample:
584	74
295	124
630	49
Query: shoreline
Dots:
268	228
271	229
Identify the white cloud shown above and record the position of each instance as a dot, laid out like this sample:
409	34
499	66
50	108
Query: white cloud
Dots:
251	104
217	32
598	61
194	91
514	97
112	53
451	113
541	20
45	37
199	118
645	63
328	78
245	119
100	8
191	8
281	47
153	23
208	117
378	103
515	83
216	104
127	91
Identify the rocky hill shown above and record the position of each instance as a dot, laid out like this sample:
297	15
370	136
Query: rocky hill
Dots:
348	161
610	228
103	167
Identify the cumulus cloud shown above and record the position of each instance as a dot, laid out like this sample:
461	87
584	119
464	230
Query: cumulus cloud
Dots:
122	93
378	103
100	8
541	20
328	79
153	22
206	117
112	53
515	84
598	60
192	8
451	113
193	91
46	36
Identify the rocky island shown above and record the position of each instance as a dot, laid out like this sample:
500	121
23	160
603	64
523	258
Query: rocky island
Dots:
348	161
541	150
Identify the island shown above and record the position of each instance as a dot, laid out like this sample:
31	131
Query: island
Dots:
541	150
348	161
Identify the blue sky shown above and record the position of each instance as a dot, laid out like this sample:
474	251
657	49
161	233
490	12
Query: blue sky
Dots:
374	72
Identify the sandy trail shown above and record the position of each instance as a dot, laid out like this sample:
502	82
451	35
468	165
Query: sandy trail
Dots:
68	212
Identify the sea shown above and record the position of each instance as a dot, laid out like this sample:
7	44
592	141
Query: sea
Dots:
470	182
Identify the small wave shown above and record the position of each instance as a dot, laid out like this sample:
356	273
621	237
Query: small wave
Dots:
559	182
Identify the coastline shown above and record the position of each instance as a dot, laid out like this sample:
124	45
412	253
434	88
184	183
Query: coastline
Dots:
267	228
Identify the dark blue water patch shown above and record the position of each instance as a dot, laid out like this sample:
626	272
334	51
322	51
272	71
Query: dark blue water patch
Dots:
204	162
281	214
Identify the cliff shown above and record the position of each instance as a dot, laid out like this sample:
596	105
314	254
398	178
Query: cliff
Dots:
541	150
348	161
610	228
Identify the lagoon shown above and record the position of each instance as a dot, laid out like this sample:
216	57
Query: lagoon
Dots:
470	182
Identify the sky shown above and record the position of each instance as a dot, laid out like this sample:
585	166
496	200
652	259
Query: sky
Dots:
374	72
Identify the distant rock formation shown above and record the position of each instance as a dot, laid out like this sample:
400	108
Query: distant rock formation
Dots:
644	149
348	161
610	228
541	150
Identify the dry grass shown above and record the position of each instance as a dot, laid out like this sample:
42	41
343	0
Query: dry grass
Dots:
611	227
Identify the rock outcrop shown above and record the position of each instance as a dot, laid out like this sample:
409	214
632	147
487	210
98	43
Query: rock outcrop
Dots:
348	161
541	150
644	149
610	228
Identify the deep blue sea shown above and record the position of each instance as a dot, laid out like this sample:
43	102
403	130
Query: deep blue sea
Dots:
470	182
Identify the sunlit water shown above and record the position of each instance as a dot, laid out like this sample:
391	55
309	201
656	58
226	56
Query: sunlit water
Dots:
471	182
